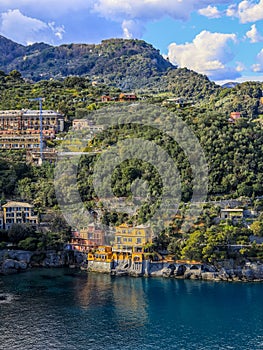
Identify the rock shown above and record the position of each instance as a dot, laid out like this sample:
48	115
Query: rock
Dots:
167	271
209	276
9	267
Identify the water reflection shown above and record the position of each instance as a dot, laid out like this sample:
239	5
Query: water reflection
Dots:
125	296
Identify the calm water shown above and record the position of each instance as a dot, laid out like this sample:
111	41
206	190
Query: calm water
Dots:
63	309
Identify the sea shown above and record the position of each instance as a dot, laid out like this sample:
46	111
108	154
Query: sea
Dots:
71	309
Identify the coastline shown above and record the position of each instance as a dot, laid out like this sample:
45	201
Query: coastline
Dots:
225	271
16	261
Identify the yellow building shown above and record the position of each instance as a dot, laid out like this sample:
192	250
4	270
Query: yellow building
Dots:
128	237
102	254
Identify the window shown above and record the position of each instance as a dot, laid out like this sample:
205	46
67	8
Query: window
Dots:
139	240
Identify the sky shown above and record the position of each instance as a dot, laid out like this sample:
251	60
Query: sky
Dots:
222	39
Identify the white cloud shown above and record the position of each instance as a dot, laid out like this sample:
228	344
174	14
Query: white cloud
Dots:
131	15
57	30
152	9
132	29
254	35
208	54
246	11
240	67
210	12
258	67
27	30
241	79
46	7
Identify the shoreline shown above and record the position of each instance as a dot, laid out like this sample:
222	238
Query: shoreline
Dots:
16	261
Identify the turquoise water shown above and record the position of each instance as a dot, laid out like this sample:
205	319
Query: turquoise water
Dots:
65	309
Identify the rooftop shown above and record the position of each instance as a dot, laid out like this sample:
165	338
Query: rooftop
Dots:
17	204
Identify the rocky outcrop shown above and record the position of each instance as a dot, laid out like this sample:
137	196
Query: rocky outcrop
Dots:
223	271
14	261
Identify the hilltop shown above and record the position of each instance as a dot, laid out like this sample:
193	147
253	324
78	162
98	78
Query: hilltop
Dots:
127	64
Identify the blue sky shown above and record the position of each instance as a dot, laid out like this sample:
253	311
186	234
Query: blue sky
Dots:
222	39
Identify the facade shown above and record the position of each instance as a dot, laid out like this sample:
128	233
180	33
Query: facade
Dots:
18	213
20	129
129	238
89	238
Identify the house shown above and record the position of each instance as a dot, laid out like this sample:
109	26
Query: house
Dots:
127	97
19	213
85	124
234	116
80	124
179	102
88	238
106	98
231	214
128	237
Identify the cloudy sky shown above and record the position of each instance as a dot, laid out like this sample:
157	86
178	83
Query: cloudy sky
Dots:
222	39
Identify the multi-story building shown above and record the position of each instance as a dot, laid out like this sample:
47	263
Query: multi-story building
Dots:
20	129
88	238
18	213
129	238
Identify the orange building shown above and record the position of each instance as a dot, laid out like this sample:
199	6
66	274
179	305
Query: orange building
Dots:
88	238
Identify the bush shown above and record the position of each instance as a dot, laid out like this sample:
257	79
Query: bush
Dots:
30	243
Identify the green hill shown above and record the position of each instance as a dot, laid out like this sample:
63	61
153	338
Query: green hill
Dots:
127	64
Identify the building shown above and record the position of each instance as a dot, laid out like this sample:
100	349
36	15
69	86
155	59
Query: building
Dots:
18	213
102	254
48	154
80	124
88	238
106	98
20	129
127	97
231	214
128	238
85	124
234	116
178	102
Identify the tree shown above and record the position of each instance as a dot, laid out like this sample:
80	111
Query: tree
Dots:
257	228
19	232
193	246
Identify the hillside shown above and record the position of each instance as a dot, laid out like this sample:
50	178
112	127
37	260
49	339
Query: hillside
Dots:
127	64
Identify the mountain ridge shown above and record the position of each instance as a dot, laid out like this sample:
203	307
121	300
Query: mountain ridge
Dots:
114	61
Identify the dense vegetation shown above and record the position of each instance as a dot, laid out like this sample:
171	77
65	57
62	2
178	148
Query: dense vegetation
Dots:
114	61
233	151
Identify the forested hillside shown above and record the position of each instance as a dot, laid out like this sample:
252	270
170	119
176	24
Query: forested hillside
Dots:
233	151
126	64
